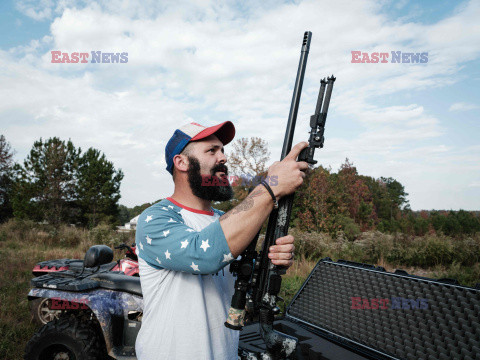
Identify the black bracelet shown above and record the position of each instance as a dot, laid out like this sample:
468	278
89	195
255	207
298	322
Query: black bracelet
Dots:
269	189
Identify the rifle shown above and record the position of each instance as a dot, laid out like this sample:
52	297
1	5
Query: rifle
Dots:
258	280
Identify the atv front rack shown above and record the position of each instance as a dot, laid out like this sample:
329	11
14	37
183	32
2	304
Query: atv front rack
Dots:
65	280
105	279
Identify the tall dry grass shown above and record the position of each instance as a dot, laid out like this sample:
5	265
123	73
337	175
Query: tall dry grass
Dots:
434	256
22	245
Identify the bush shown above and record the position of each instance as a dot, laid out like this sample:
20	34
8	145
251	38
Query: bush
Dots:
70	236
63	236
467	251
389	226
469	276
420	226
348	226
104	234
311	245
18	227
435	251
100	234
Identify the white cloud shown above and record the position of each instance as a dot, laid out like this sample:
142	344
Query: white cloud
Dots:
461	106
209	61
39	11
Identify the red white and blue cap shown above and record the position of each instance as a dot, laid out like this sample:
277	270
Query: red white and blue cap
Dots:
192	132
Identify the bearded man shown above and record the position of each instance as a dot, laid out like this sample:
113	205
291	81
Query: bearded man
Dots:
183	246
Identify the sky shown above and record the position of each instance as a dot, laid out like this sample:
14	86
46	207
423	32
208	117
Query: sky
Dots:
210	61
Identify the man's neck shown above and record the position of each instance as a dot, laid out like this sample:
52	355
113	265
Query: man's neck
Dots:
187	198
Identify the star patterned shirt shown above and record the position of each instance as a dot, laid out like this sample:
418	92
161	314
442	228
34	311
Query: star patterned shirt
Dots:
186	290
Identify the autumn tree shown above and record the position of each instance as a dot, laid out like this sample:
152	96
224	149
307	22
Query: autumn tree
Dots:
247	161
332	202
312	207
355	199
249	156
6	179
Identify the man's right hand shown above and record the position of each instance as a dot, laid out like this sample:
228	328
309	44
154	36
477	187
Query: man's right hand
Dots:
242	222
288	173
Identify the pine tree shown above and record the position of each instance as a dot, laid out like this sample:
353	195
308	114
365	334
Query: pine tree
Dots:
98	188
6	179
45	184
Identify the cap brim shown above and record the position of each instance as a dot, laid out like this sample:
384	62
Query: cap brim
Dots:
224	131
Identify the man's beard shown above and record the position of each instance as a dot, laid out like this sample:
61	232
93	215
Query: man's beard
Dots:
207	187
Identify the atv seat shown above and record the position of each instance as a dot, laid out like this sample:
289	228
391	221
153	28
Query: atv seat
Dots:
120	282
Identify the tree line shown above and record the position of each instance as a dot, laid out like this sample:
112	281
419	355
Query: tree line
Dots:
352	203
125	214
346	201
58	183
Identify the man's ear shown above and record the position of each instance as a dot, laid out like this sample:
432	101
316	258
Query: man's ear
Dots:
180	162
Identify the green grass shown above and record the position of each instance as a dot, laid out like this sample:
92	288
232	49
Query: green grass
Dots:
290	286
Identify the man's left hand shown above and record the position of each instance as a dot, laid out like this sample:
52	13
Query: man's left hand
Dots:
283	252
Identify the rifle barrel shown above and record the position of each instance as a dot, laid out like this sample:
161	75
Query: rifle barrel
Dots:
297	92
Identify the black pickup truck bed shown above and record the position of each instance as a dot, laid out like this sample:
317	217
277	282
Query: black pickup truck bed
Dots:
347	310
311	345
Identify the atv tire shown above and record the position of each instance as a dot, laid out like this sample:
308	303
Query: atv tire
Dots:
41	312
67	338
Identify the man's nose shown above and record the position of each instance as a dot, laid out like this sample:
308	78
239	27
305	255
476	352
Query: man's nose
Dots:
223	158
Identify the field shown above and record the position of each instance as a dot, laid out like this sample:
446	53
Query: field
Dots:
23	244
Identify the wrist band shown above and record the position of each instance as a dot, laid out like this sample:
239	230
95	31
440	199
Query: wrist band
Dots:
269	189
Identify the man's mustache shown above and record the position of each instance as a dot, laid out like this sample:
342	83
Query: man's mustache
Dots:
220	168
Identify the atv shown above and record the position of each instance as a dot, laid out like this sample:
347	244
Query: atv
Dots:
44	310
343	311
99	311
